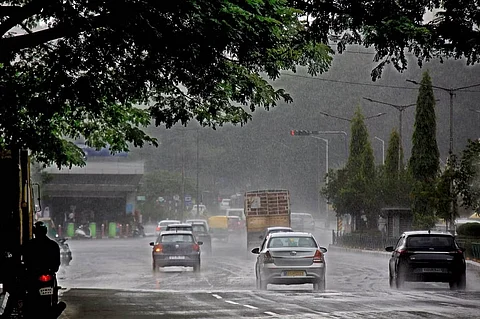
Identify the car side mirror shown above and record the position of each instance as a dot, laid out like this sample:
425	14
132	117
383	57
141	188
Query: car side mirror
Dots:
256	250
200	242
152	243
389	249
323	250
260	237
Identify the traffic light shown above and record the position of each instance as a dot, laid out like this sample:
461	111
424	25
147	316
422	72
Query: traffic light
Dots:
300	132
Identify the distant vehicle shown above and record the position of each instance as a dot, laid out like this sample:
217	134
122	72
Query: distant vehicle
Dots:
218	226
201	233
303	222
265	208
225	204
235	225
271	230
427	256
162	225
237	212
176	248
198	221
201	210
179	227
289	259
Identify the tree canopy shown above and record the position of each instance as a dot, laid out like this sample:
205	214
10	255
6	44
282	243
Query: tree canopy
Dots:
79	68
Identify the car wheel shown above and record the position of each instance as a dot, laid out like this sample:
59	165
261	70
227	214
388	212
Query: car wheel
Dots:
319	285
154	267
460	283
391	280
257	281
400	276
262	285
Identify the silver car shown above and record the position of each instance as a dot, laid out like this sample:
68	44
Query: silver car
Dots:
289	259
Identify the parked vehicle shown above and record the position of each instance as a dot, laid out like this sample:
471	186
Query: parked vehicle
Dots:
263	209
65	252
427	256
176	248
83	231
162	225
290	258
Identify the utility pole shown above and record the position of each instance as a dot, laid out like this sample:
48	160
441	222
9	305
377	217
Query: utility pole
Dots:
383	149
183	175
451	92
401	109
326	172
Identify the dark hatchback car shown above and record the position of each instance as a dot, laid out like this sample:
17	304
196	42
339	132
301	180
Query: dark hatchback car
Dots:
176	248
201	233
427	256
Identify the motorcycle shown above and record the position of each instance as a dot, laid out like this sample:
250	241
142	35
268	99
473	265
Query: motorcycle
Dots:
42	296
83	231
65	252
139	231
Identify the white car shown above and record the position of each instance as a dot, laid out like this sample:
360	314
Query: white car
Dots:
225	204
162	225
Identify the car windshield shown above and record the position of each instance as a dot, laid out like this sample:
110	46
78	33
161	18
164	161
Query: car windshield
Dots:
430	242
199	228
176	238
279	242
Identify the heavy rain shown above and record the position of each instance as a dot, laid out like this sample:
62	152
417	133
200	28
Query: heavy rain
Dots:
180	190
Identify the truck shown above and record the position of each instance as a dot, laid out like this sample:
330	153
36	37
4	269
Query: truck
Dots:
265	208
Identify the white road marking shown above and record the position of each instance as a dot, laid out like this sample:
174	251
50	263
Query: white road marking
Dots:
232	302
251	307
217	296
270	313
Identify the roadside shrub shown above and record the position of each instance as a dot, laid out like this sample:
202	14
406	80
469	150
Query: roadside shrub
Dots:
469	229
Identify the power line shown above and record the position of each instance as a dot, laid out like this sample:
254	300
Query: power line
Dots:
360	83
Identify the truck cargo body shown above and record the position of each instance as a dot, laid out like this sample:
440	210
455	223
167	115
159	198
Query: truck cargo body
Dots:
265	208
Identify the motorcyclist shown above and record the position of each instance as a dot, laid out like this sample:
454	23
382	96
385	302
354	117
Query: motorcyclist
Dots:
41	253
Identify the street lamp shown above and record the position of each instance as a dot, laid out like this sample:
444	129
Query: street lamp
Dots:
306	132
350	120
401	109
383	149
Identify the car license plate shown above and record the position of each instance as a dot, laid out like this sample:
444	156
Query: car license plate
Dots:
46	291
436	270
177	257
294	273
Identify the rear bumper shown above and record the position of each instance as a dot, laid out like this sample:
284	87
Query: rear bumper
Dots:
166	260
273	274
419	272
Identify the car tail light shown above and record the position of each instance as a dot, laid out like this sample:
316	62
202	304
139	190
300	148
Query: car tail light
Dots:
45	278
158	248
158	228
458	251
267	259
402	252
317	258
196	247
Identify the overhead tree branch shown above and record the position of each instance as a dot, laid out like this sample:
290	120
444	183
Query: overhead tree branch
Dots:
24	12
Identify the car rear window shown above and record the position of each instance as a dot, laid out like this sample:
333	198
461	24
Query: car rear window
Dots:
173	227
279	242
199	228
176	238
430	242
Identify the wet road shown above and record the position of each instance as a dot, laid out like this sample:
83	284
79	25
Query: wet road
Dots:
357	287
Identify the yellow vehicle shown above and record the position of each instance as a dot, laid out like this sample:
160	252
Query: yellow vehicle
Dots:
218	227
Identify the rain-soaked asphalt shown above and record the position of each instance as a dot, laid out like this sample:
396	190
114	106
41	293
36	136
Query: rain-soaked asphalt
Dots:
113	278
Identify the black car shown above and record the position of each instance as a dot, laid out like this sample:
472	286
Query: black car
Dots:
176	248
201	233
427	256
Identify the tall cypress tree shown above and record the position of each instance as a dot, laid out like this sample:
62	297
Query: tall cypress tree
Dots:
424	161
391	160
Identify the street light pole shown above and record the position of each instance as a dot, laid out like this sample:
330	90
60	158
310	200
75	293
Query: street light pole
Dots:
326	171
401	109
383	149
350	120
198	173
